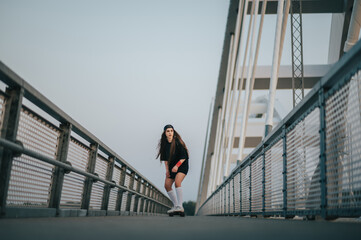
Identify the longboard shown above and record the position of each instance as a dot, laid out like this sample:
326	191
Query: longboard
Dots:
182	214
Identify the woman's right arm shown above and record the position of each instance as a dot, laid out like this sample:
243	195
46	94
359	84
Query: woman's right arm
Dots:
166	169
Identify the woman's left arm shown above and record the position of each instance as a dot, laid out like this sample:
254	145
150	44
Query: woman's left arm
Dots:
182	154
179	163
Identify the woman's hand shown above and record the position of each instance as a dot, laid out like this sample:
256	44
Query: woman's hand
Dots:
175	169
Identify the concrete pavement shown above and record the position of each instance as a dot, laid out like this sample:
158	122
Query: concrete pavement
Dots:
163	227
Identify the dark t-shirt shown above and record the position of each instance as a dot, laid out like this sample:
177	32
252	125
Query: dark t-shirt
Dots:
180	153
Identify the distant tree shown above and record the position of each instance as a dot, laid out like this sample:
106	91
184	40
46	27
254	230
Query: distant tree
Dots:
189	208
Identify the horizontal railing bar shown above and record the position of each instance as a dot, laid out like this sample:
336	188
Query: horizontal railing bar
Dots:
20	149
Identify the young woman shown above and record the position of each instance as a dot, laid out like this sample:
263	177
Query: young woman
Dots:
174	153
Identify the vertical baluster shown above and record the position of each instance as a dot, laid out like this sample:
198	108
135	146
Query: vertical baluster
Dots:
129	196
233	196
147	200
263	180
153	202
284	172
323	177
9	131
156	205
136	201
141	210
57	179
88	184
229	197
224	189
240	191
250	185
151	194
123	172
109	177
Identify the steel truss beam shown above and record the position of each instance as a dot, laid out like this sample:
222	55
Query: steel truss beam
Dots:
297	51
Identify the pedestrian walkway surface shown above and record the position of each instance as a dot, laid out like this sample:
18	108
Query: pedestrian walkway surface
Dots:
173	228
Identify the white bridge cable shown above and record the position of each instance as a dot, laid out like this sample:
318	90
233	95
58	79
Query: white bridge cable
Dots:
227	153
250	85
219	122
283	32
211	177
279	38
206	142
211	181
354	28
226	99
233	116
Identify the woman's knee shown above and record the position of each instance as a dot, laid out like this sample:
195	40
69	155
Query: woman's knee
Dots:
168	186
179	179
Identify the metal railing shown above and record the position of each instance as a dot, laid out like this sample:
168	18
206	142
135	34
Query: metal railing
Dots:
310	165
51	166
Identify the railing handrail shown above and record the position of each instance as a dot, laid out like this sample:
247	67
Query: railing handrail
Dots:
21	149
10	78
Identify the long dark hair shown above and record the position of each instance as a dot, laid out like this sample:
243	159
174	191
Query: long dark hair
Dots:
162	144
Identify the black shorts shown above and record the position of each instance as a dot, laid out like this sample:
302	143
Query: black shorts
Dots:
183	169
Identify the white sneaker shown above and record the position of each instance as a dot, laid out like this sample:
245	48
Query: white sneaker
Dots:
179	209
173	209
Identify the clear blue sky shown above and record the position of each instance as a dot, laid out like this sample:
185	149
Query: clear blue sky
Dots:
124	69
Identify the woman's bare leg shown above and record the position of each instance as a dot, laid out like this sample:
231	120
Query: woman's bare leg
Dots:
168	184
179	179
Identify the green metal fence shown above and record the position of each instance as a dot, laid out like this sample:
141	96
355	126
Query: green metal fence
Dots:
310	165
51	166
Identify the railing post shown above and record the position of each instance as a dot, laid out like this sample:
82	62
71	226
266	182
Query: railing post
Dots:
149	202
229	197
284	172
161	206
250	185
156	197
123	172
240	191
263	180
141	210
9	131
234	206
58	173
109	177
151	193
161	199
146	210
158	205
136	200
129	198
88	184
323	177
153	203
224	189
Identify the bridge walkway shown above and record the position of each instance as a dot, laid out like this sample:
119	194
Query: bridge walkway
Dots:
164	227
